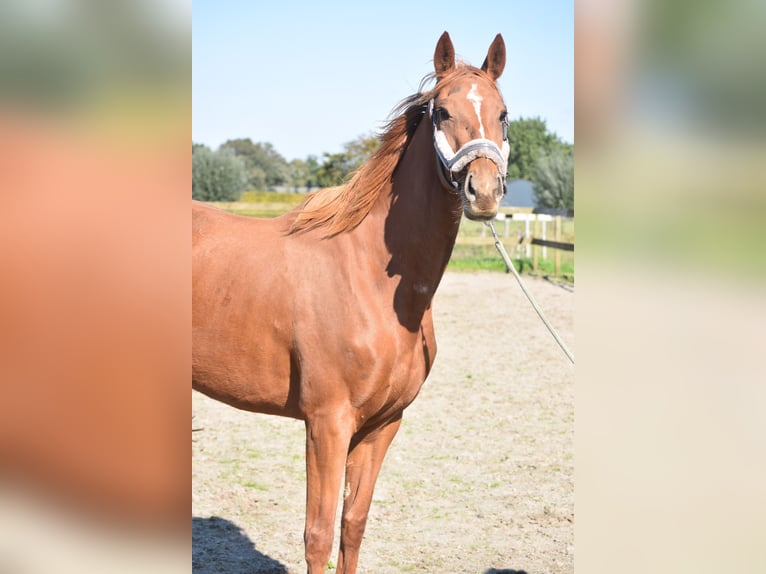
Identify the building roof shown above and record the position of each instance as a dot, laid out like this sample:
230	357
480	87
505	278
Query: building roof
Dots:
520	194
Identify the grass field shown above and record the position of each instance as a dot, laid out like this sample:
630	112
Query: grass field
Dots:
474	248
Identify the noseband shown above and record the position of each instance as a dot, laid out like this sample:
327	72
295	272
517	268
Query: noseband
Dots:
454	162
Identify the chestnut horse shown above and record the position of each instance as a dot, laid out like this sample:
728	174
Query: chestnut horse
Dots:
324	314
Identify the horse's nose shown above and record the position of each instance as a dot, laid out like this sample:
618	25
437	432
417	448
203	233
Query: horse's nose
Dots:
483	189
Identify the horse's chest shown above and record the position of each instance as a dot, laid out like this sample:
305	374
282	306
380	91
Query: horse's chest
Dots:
410	369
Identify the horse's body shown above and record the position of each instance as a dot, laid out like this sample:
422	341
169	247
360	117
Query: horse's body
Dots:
324	314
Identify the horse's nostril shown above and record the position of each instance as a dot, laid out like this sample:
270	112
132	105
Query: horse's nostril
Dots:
470	192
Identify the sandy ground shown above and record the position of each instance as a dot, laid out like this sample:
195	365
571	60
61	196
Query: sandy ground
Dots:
480	478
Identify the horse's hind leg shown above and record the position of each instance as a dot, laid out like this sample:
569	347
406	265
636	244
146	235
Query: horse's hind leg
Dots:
327	440
363	464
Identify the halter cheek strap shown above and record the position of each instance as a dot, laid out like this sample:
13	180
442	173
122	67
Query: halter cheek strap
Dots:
455	162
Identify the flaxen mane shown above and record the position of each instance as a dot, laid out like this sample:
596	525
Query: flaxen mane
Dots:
340	209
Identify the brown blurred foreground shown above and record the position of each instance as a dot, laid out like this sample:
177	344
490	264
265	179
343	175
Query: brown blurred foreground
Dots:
94	295
94	307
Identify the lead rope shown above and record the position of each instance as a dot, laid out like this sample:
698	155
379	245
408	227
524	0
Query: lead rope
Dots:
509	265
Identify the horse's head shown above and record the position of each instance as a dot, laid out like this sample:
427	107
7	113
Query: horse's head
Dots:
470	123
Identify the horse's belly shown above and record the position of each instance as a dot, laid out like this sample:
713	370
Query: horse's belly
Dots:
245	386
253	373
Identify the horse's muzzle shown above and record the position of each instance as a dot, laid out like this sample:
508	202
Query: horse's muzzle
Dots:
483	188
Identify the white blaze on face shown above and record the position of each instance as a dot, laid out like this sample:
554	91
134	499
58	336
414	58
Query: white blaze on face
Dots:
476	99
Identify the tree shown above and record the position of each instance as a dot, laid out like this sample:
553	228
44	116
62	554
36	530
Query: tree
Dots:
299	174
360	150
553	180
334	170
266	168
337	167
529	139
216	175
312	166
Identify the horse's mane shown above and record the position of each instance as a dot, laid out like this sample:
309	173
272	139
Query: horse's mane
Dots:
340	209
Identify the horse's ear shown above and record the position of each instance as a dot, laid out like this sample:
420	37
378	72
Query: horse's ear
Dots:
494	63
444	56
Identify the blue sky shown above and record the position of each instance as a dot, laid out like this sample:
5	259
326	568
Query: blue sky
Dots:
308	77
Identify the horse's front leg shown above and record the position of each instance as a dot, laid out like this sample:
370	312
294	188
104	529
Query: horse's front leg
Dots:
365	458
327	440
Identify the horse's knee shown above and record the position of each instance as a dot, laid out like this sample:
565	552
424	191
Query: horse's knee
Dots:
352	529
318	545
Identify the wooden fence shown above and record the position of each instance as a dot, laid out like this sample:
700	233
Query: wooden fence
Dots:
536	238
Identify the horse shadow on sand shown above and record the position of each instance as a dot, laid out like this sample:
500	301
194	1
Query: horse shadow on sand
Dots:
219	545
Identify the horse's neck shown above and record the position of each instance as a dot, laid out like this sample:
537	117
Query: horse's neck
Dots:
420	228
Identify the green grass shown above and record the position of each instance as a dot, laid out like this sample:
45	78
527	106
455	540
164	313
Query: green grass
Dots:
471	257
545	267
261	213
262	204
255	485
476	264
253	196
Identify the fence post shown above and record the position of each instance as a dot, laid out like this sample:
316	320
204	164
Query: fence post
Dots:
536	248
528	238
558	251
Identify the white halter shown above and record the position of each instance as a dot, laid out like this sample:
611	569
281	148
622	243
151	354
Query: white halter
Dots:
480	147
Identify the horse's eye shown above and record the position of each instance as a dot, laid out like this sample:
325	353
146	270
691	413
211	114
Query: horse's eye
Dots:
442	115
504	123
